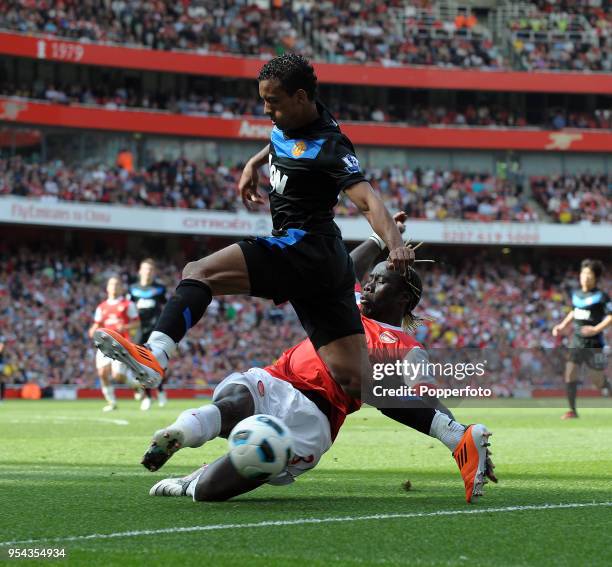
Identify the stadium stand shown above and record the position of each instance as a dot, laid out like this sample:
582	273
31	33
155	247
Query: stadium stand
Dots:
433	194
541	35
424	193
476	114
163	184
575	198
339	31
47	301
560	35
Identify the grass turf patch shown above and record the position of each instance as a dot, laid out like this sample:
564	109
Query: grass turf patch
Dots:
70	470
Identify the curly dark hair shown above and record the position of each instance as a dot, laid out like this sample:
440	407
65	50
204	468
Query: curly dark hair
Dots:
595	266
293	71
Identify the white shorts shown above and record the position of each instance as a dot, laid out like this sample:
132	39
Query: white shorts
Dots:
102	361
308	424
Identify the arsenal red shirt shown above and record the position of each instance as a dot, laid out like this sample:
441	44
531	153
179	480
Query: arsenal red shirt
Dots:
116	313
302	367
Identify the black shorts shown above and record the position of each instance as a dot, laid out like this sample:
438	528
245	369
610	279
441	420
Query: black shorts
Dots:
594	358
315	273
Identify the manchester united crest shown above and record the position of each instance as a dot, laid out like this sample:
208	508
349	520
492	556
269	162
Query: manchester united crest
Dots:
298	148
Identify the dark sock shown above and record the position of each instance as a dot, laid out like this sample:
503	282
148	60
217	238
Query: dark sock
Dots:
184	309
572	388
2	390
418	418
147	392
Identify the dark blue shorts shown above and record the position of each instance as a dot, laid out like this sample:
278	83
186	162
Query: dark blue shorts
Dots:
594	358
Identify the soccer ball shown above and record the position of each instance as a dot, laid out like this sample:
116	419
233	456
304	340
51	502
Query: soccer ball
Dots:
260	446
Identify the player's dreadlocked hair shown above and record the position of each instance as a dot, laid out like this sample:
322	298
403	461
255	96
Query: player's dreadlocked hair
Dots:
414	286
594	265
293	71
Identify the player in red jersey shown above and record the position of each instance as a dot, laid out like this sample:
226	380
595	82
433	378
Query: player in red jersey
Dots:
121	315
299	389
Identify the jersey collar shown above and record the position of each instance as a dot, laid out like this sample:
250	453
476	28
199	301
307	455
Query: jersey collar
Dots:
387	326
325	121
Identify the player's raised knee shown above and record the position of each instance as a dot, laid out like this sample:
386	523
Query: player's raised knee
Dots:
195	270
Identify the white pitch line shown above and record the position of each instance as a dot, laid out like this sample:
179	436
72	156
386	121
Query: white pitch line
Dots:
54	473
58	419
302	521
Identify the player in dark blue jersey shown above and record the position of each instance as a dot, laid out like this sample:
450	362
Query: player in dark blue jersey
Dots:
149	296
592	314
304	261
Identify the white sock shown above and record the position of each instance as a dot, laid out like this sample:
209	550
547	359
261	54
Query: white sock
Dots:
446	430
192	486
109	394
199	425
162	346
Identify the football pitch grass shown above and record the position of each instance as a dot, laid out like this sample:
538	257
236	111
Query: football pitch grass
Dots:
70	478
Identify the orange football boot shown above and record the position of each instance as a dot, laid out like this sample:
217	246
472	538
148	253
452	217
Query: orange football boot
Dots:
472	458
140	360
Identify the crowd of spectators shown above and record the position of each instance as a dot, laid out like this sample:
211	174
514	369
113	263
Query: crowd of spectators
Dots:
47	302
596	12
553	21
564	54
424	193
436	194
569	198
395	32
477	114
560	118
173	184
563	36
112	98
570	35
494	115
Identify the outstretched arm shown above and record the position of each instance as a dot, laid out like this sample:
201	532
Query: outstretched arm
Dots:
369	252
365	257
372	207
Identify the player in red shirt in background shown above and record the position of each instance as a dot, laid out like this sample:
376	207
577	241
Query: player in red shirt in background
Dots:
121	315
299	389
